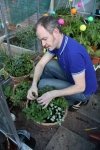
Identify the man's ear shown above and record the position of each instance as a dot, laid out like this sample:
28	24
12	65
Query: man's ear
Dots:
56	30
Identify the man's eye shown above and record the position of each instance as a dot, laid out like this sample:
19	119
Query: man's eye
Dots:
44	39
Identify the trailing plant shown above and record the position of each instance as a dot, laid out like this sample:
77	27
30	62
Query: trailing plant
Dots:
19	65
3	74
8	90
53	113
3	56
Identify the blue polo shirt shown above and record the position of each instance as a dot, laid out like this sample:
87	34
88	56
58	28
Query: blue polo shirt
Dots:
74	59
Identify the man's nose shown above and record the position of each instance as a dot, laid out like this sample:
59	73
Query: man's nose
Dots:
43	43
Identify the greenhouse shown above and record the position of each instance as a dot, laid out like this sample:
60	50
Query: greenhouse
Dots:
49	74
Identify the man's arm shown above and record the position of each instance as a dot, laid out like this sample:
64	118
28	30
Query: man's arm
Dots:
78	87
33	91
40	66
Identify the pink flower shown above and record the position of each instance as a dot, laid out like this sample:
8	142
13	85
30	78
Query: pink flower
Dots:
61	21
79	4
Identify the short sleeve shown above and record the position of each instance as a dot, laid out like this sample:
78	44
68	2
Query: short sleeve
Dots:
77	63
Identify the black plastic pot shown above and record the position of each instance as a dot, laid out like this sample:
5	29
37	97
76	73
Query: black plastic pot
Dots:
6	144
26	138
2	141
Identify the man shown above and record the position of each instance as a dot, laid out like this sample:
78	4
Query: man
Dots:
72	73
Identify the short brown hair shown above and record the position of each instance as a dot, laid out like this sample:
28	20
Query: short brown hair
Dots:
49	23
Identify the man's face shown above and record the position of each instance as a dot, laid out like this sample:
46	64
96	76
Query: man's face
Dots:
48	40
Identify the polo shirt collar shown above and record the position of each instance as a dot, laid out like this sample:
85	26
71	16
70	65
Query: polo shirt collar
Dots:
63	44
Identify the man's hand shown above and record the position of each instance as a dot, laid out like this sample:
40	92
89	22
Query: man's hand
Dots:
32	93
45	99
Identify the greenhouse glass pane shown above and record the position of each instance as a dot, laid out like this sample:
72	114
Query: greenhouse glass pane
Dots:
19	10
6	124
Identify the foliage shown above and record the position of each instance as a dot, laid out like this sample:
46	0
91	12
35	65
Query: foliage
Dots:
4	74
20	93
92	32
19	65
8	90
53	113
3	56
25	37
96	53
36	112
62	11
89	37
72	24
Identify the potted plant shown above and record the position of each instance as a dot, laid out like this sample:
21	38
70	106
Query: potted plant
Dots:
53	114
24	37
23	40
92	39
96	57
92	33
19	67
19	94
16	94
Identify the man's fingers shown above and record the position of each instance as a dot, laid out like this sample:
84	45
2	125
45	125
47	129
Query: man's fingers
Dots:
34	94
39	100
42	102
30	96
45	106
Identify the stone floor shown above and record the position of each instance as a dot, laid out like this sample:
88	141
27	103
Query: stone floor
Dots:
74	133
